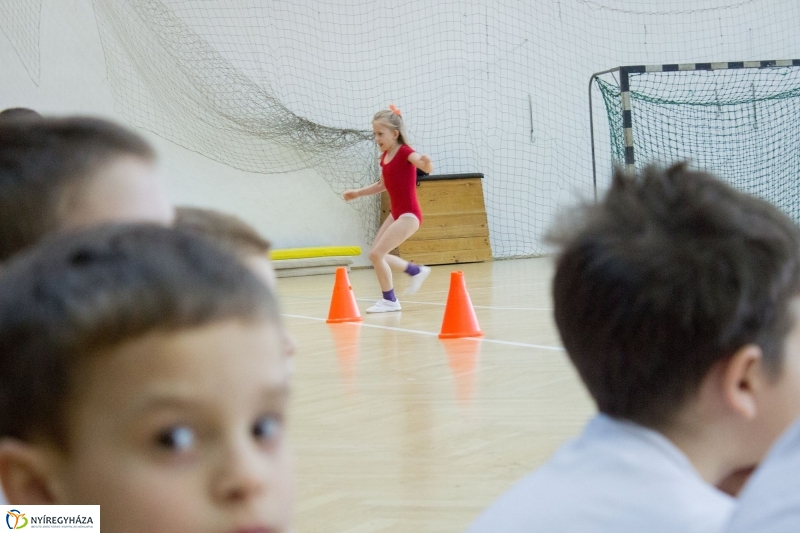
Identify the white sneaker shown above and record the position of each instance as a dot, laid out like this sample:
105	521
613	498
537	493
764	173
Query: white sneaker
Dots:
384	306
416	281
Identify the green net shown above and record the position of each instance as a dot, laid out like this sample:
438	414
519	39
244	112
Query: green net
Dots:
741	124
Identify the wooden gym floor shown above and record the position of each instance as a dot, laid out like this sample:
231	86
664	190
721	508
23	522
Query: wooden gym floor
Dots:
394	430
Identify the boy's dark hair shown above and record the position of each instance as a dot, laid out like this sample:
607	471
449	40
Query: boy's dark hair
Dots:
671	273
43	162
230	232
74	296
14	113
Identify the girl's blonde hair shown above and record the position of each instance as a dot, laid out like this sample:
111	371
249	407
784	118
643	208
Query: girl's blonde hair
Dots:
393	121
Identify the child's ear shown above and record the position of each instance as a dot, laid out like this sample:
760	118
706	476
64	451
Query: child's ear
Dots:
27	473
742	379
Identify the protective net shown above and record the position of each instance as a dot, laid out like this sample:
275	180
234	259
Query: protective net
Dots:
20	23
739	123
169	78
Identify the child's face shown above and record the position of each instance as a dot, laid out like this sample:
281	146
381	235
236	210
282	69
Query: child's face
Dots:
184	433
127	189
385	137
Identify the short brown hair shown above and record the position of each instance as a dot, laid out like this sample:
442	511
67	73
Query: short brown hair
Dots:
45	159
228	231
14	113
672	272
74	296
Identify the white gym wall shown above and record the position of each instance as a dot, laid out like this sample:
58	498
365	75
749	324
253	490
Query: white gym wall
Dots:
463	72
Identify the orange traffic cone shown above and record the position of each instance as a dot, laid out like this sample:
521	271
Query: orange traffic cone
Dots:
462	357
343	303
459	316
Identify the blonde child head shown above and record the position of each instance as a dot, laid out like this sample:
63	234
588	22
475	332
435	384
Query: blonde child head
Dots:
392	119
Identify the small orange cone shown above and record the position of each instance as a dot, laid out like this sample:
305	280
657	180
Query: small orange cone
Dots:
343	302
459	316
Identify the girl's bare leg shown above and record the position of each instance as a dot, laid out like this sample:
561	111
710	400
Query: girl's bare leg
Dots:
390	236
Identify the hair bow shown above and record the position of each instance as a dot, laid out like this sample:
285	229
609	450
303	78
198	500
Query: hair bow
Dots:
394	109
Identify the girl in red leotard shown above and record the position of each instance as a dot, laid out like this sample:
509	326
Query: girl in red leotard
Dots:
399	164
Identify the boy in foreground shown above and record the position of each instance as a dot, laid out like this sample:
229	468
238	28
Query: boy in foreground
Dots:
146	373
676	298
61	174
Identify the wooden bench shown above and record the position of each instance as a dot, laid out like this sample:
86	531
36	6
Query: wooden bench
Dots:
454	227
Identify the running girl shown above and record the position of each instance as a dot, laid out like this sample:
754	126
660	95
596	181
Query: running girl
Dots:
399	163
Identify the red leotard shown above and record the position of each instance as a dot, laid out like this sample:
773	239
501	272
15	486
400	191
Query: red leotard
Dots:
400	179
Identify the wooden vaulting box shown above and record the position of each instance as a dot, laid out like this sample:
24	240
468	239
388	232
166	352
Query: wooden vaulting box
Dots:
454	227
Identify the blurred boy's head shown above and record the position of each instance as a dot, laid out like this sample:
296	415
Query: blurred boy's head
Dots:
61	174
676	298
14	113
232	234
146	373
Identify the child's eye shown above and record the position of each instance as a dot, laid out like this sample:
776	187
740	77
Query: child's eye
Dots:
267	427
178	438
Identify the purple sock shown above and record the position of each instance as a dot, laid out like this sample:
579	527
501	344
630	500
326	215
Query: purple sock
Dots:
389	295
412	269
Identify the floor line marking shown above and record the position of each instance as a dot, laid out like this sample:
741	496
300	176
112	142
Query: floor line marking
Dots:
497	308
430	333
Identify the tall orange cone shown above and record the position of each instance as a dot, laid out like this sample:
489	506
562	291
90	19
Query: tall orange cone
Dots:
343	302
459	316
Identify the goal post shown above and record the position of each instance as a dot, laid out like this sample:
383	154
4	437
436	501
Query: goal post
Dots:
739	119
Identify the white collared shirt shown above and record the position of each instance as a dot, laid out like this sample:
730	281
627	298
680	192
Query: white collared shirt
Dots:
770	502
616	477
